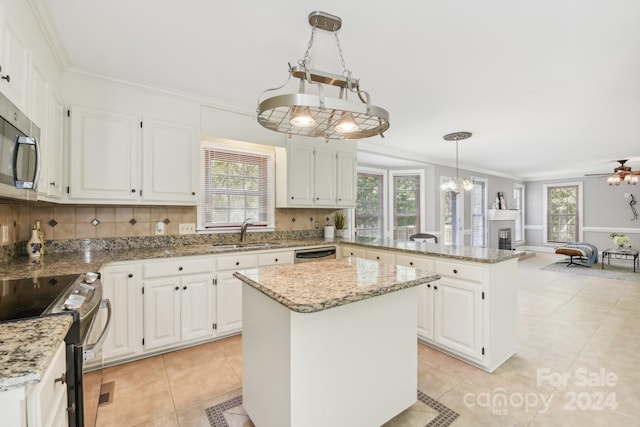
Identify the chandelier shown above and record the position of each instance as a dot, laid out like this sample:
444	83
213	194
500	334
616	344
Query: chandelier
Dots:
316	114
457	184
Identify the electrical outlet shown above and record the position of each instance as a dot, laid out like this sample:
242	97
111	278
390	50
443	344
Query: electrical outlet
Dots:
188	228
317	224
5	233
159	228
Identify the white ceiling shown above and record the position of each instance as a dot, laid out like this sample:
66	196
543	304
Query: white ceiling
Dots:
549	88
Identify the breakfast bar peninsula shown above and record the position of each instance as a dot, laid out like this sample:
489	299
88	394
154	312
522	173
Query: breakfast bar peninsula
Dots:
330	343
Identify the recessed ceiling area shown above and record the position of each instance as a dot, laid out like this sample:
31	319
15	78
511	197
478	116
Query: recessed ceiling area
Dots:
549	89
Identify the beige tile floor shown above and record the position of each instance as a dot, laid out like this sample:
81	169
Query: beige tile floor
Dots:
576	364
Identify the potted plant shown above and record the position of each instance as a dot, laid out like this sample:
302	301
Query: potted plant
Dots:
620	240
340	222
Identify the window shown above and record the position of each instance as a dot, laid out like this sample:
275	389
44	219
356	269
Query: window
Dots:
479	212
563	207
236	186
518	197
406	205
370	205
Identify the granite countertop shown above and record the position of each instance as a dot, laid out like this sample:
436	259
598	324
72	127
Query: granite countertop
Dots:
465	253
55	264
320	285
27	347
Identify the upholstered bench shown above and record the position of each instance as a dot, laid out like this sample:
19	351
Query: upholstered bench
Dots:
585	252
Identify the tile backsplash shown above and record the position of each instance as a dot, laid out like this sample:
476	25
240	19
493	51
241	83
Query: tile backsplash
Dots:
61	222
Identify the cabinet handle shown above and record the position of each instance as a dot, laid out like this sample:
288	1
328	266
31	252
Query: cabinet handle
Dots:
177	288
133	190
62	379
179	268
7	78
237	262
71	409
455	271
130	275
184	288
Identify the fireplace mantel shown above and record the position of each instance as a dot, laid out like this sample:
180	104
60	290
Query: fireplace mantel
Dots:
503	214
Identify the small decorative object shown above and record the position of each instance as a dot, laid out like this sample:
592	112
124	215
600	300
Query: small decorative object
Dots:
620	240
341	222
40	236
329	232
633	209
34	245
502	203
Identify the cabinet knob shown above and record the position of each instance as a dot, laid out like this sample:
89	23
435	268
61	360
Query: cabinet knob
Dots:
317	198
179	268
428	285
435	287
177	288
291	197
351	253
130	275
411	263
377	257
193	193
7	78
52	183
455	271
237	262
184	288
62	379
339	200
133	190
276	259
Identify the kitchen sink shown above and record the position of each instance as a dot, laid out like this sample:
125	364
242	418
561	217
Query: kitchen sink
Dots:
257	245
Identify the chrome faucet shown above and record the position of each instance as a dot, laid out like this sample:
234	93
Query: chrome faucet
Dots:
243	230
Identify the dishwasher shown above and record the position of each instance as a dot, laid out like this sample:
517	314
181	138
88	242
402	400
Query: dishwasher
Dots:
315	254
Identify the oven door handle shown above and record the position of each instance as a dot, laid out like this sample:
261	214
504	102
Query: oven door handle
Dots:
90	347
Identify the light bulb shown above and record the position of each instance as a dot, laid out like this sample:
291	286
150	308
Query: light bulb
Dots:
468	185
302	117
634	180
346	123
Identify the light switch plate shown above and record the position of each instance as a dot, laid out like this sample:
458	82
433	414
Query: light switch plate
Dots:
159	228
188	228
5	233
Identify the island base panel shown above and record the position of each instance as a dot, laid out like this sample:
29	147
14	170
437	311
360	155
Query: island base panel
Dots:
352	365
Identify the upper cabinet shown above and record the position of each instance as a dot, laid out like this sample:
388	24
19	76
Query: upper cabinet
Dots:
15	65
311	173
123	158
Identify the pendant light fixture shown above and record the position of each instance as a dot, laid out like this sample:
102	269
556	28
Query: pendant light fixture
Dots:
457	184
317	114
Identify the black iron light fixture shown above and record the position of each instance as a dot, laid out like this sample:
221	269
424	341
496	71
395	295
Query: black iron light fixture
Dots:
317	114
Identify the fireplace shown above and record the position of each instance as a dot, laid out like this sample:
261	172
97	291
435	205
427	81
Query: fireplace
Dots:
504	238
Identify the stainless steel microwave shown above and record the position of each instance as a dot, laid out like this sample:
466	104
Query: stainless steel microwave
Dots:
19	153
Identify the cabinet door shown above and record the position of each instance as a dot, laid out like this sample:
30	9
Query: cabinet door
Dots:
122	287
382	256
15	67
425	311
300	174
169	165
347	179
229	302
55	142
324	177
104	155
161	312
197	307
458	316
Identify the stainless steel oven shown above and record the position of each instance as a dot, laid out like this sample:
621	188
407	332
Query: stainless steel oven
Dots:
19	153
60	295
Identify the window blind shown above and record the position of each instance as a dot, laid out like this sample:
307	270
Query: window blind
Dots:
235	188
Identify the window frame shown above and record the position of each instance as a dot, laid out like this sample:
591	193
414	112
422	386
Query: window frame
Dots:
484	206
240	148
520	205
447	237
392	203
545	210
385	190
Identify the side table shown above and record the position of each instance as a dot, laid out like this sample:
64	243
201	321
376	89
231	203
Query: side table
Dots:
624	254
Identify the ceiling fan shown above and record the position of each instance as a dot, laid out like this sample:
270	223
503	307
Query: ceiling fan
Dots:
620	173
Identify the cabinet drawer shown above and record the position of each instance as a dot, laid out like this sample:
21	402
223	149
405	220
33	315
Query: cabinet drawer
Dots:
382	256
44	397
415	261
353	251
460	271
275	258
235	262
173	266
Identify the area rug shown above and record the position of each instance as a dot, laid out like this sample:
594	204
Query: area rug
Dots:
617	270
216	414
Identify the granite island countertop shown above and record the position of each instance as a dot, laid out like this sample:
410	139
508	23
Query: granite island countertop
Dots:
320	285
465	253
27	347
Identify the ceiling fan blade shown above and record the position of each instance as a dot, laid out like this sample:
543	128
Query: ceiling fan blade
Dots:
597	174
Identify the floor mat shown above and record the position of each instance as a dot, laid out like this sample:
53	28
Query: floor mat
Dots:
617	270
216	414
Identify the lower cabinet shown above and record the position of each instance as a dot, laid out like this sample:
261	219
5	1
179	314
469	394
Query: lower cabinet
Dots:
43	404
178	309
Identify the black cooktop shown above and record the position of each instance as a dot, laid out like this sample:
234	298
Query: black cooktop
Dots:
24	298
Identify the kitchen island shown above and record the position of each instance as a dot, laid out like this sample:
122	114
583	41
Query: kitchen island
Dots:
330	342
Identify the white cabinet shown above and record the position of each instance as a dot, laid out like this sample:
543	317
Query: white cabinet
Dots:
179	302
104	152
382	256
169	152
347	183
122	285
229	290
15	66
122	158
425	293
311	173
356	251
48	114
